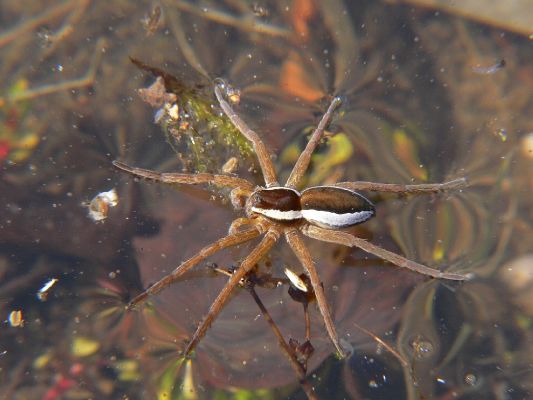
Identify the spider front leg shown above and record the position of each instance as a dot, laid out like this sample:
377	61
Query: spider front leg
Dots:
227	241
305	158
232	182
347	239
404	189
246	266
267	166
301	251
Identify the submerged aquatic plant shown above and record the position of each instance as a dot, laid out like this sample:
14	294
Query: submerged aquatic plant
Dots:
203	138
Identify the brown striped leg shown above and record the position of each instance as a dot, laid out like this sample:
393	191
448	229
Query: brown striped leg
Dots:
303	161
404	189
299	248
227	241
188	179
246	266
238	223
347	239
267	166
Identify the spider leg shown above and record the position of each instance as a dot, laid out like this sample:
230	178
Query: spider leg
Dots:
301	251
347	239
267	166
404	189
303	161
260	223
246	266
237	224
190	179
227	241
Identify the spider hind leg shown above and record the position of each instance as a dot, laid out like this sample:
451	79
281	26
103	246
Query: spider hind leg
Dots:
246	266
301	251
225	242
347	239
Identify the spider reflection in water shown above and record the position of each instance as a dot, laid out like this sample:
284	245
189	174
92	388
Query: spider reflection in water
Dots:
274	210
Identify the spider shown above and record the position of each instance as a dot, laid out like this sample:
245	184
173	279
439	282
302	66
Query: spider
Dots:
276	210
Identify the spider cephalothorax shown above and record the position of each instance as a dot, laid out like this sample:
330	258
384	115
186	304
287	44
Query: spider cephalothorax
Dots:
274	211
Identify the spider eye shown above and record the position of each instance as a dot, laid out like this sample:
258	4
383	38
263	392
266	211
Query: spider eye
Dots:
335	207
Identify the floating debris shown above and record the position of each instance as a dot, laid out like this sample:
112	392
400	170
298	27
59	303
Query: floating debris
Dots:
15	319
99	205
42	294
526	145
156	94
491	69
233	94
296	280
502	134
43	360
230	166
422	348
84	347
128	370
260	10
517	275
19	137
152	21
172	111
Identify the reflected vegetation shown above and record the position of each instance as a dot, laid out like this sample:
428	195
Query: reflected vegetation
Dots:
414	110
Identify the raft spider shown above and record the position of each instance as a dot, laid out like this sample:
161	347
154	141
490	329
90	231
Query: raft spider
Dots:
274	210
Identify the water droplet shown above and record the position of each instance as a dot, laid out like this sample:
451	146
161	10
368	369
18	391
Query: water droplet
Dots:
373	384
470	379
422	348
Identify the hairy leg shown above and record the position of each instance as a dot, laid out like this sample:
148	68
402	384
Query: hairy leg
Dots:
267	166
404	189
188	179
246	266
299	248
303	161
347	239
227	241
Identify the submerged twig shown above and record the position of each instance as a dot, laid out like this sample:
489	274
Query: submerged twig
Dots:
285	347
86	80
22	283
68	26
221	17
490	69
387	346
26	26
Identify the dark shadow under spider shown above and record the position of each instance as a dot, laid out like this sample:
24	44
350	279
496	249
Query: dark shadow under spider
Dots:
275	210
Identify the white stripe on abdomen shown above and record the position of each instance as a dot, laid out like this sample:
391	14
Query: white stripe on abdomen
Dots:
328	219
279	215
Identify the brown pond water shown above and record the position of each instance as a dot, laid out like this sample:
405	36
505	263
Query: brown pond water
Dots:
425	98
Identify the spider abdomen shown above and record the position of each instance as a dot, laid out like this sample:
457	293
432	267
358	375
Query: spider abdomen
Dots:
334	207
